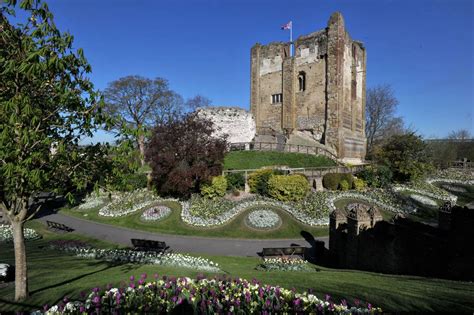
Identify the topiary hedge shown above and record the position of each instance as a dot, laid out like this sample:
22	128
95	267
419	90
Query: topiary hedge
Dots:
332	181
288	187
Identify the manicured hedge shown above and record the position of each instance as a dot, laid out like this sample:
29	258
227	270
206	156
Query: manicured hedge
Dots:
288	187
333	181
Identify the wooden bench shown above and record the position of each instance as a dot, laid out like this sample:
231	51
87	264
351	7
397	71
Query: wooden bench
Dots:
149	245
284	251
58	226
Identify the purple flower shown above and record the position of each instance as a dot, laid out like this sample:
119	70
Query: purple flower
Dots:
132	278
141	281
369	306
45	307
82	309
65	299
328	297
297	302
155	276
356	302
96	300
96	289
143	275
132	285
83	294
344	302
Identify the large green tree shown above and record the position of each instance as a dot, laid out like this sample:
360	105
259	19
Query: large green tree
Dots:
47	105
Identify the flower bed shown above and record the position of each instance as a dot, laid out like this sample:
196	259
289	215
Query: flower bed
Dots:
454	188
138	257
205	296
258	202
383	198
284	264
155	213
209	208
460	176
424	200
263	219
128	202
6	234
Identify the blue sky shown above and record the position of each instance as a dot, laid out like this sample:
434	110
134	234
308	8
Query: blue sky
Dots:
424	49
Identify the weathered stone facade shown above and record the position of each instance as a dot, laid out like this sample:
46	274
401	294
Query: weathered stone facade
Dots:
236	123
321	89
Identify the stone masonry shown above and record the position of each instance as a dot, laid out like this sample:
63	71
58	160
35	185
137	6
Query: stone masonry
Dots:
320	90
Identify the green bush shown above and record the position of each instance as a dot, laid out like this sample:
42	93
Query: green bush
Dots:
376	175
288	187
332	181
235	180
344	185
359	184
258	180
217	188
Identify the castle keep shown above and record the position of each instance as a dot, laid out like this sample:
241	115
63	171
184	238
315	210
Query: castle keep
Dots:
316	96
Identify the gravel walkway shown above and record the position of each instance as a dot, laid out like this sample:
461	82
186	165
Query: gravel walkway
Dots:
181	244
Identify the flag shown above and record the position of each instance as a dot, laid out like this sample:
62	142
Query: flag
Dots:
287	26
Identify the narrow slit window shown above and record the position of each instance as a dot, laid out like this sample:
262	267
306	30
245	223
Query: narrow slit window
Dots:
302	81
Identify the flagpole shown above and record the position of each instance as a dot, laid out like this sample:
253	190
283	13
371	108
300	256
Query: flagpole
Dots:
291	39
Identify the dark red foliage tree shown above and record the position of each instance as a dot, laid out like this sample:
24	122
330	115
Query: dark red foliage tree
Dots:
183	154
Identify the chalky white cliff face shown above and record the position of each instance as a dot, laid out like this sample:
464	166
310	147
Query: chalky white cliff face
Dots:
235	122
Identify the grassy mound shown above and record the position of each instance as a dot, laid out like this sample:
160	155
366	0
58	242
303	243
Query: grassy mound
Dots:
257	159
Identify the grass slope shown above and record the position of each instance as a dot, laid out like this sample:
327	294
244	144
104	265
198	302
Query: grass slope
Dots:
173	224
256	159
54	275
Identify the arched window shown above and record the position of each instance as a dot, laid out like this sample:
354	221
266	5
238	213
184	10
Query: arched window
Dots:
302	81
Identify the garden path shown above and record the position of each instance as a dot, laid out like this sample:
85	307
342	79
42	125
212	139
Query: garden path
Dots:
178	243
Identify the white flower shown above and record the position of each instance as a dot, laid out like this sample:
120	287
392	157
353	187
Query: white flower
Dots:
424	200
263	218
6	234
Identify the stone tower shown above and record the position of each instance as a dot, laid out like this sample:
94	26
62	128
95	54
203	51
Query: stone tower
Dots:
318	92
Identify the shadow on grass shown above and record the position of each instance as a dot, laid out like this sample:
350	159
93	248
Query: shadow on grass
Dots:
72	279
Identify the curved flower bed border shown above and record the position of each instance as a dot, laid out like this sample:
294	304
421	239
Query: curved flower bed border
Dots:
353	195
188	218
270	220
427	201
140	257
205	296
6	234
448	197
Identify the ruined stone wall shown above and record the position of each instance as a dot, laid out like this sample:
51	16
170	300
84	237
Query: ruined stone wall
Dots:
236	123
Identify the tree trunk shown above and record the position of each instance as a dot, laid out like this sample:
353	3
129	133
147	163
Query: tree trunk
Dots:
21	276
141	147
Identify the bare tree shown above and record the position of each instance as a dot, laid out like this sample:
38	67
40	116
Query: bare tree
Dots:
381	121
198	101
461	134
138	103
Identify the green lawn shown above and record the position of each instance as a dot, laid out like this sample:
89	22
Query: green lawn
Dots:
173	224
54	275
256	159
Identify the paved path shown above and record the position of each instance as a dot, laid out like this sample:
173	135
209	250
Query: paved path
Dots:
183	244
